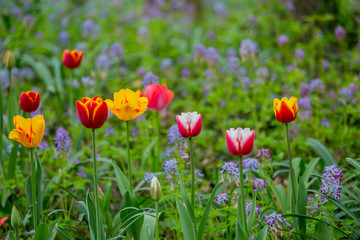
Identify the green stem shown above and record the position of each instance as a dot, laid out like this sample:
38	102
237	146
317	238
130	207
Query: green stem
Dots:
157	220
1	133
192	197
159	142
16	234
290	163
71	97
128	154
97	212
242	193
33	190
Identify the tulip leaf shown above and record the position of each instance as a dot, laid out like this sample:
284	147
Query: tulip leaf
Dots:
251	215
301	206
263	233
63	234
12	160
187	202
57	77
130	209
323	231
206	212
321	150
122	181
148	227
186	222
41	231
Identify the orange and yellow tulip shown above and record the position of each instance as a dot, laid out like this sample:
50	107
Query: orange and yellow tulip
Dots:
285	109
29	132
92	112
127	104
72	59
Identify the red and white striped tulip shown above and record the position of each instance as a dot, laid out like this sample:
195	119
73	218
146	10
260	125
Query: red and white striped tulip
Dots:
189	124
240	141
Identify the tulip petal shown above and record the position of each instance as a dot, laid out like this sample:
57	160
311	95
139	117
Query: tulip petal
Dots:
100	115
83	113
182	126
231	145
248	144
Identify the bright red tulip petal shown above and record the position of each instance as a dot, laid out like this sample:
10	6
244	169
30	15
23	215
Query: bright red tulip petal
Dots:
231	145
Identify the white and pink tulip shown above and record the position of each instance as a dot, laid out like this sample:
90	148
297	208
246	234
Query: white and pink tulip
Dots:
189	124
240	141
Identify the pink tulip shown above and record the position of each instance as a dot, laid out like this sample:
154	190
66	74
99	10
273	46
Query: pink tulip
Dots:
240	141
158	96
189	124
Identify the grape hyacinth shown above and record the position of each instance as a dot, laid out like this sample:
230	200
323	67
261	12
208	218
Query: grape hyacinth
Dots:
174	138
299	54
264	153
198	175
222	198
331	182
148	176
317	85
251	163
248	49
340	33
259	184
170	169
232	170
276	222
61	141
282	40
150	78
248	206
109	131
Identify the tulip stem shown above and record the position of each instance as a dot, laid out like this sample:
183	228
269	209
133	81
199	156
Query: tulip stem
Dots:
128	154
97	212
158	143
157	220
192	197
242	193
71	97
290	163
33	190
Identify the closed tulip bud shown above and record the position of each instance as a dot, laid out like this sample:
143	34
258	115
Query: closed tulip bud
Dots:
189	124
159	96
9	60
92	112
155	189
15	218
72	59
29	101
285	109
240	141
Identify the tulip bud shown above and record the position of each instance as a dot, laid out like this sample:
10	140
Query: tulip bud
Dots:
155	189
9	60
15	218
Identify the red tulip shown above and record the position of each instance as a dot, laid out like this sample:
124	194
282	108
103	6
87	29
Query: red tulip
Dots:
72	59
240	141
2	220
29	101
158	96
92	112
189	124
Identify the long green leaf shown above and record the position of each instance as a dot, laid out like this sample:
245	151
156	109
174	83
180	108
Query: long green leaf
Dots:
187	202
63	234
309	169
323	231
321	150
121	179
262	234
206	212
251	215
186	222
301	206
134	228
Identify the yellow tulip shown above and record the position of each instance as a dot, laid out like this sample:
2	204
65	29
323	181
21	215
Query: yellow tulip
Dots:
29	132
127	104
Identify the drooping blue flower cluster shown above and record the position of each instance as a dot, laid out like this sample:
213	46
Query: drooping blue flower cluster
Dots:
232	171
170	168
109	131
61	141
175	140
259	185
264	153
150	78
222	198
331	182
148	176
198	175
248	206
251	163
248	49
277	223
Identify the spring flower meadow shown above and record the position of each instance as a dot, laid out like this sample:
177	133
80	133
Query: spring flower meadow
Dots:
179	119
